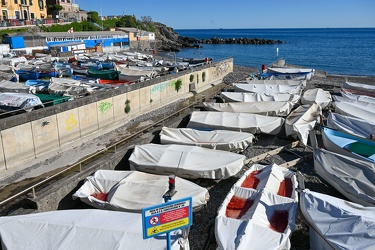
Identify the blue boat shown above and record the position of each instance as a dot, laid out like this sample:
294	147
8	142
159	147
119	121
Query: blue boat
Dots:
40	86
49	73
348	144
25	75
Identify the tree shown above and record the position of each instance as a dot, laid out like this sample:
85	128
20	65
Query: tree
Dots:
54	9
93	16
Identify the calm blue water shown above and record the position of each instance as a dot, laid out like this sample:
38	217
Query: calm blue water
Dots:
344	51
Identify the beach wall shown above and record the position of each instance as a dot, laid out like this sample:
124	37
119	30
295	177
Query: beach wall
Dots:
31	135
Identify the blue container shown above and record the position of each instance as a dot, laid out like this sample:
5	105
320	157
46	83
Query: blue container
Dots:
15	42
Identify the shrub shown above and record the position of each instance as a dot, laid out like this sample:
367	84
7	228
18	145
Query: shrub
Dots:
203	76
191	78
127	106
178	85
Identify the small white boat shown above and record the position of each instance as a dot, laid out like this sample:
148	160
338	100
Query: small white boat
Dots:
244	122
190	162
301	121
306	73
351	125
258	97
261	108
337	224
267	88
353	178
319	96
348	144
359	88
361	98
259	211
82	229
130	190
226	140
132	75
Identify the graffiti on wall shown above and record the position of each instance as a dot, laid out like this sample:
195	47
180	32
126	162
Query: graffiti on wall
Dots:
70	122
222	69
160	87
104	107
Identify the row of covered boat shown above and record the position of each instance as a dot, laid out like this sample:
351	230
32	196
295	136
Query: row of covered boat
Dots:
258	212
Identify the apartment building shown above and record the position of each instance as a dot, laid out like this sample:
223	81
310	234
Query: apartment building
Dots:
70	9
23	9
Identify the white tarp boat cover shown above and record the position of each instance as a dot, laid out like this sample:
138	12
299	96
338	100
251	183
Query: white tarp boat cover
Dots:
309	73
270	108
359	88
361	98
70	87
301	121
354	178
244	122
226	140
267	88
19	100
258	97
190	162
369	105
319	96
276	81
351	125
81	229
14	87
259	211
132	190
336	223
354	110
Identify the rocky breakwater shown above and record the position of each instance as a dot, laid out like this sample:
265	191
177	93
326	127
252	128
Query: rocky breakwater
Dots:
240	40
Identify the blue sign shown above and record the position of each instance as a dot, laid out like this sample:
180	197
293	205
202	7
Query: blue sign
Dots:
167	217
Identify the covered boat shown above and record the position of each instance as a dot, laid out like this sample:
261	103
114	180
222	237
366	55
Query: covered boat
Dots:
68	87
82	229
306	73
349	145
337	224
267	88
130	190
259	211
38	86
301	121
108	74
269	108
132	75
359	88
25	75
277	81
190	162
216	139
13	87
244	122
351	125
353	178
361	98
356	110
319	96
16	101
258	97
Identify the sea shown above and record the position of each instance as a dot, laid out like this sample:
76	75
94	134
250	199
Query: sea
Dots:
337	51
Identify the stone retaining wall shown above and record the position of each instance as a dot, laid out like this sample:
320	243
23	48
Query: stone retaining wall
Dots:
30	135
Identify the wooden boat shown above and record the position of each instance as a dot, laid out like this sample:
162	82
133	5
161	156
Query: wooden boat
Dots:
19	101
337	224
349	145
190	162
353	178
103	74
301	121
259	211
351	125
259	97
267	88
130	190
359	88
251	123
268	108
216	139
82	229
318	96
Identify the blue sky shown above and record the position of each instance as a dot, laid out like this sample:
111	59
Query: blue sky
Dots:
213	14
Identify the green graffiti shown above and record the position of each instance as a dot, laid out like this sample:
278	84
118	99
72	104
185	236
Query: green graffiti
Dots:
104	107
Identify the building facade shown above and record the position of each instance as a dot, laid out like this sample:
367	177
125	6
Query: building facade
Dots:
70	10
23	9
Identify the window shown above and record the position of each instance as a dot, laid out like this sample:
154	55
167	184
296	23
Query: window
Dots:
17	14
23	2
32	15
30	2
16	1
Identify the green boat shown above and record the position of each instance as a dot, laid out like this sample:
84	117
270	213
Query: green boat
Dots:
50	100
103	74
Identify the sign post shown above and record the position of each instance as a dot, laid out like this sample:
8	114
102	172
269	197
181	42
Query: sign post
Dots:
167	217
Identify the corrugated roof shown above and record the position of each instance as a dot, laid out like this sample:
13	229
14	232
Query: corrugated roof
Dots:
80	33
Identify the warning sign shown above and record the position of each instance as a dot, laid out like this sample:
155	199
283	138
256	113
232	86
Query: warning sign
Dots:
167	217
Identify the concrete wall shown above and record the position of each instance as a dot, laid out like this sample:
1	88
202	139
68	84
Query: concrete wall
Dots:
30	135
